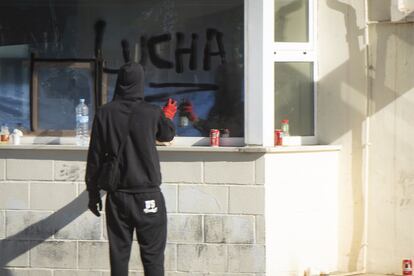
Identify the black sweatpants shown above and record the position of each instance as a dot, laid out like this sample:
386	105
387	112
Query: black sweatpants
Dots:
146	213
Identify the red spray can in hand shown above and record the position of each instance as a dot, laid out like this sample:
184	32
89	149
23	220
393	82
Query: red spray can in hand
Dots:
407	267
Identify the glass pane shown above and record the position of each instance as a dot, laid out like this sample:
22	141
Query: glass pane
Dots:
294	97
291	20
14	93
191	50
59	91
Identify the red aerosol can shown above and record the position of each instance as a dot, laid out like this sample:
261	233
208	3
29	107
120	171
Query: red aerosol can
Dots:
407	267
214	137
278	137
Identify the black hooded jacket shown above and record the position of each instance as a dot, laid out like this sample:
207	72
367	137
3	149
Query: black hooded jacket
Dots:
140	167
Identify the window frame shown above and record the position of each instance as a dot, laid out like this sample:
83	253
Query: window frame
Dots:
302	52
261	52
34	91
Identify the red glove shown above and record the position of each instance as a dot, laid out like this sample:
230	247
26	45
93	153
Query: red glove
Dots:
170	109
188	109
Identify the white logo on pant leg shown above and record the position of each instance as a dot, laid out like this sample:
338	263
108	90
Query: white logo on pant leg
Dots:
150	207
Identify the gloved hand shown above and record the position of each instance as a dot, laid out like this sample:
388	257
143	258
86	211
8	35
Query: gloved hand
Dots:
95	203
170	109
187	108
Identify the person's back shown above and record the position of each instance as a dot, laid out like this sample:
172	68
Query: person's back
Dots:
137	203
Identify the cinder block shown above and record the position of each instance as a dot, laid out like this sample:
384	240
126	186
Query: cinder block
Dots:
29	225
170	195
182	172
51	196
135	262
14	253
29	169
81	188
246	200
229	172
185	228
246	258
93	255
85	227
2	169
231	274
70	170
202	258
135	259
14	195
105	230
229	229
185	274
202	199
2	225
130	273
260	170
76	273
170	262
54	254
25	272
260	230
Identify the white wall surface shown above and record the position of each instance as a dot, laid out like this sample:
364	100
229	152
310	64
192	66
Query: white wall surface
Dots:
374	239
391	208
301	212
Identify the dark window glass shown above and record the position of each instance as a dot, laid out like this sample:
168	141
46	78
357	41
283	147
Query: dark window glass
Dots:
14	91
58	89
160	34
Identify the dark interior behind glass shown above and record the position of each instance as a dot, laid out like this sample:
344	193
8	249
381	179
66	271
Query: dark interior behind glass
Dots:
192	50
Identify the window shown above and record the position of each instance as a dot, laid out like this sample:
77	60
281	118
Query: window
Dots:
294	97
14	86
291	21
295	64
57	87
191	50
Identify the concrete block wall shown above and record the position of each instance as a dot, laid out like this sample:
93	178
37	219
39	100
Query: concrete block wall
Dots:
215	203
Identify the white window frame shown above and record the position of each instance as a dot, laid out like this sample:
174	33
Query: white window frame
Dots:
261	52
302	52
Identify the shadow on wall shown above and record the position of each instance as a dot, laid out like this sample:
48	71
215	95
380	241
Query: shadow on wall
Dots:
352	69
347	112
42	230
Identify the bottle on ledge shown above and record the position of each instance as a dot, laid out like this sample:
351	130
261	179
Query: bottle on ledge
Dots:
82	124
285	127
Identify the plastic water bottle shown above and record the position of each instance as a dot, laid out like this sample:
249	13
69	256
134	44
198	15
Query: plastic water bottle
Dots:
82	124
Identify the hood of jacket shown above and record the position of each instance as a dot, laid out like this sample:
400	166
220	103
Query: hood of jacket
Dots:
130	82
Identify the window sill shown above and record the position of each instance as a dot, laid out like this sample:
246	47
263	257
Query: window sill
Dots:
245	149
180	144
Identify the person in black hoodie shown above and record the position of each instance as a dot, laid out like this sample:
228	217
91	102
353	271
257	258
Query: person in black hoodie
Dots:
138	202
